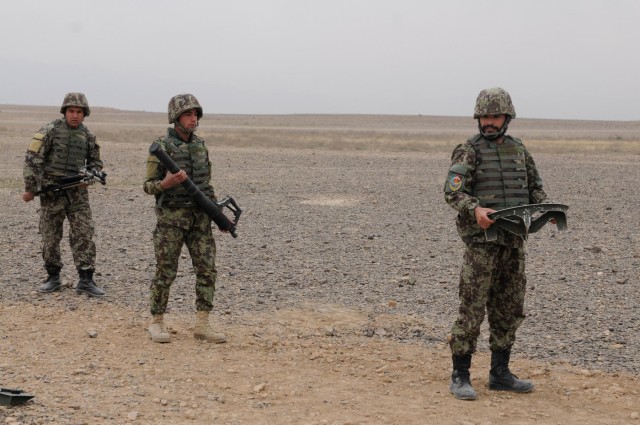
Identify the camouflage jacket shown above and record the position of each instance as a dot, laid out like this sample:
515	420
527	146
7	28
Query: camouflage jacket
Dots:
35	178
156	170
459	190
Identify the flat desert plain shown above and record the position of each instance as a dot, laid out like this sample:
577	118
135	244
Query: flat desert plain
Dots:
339	292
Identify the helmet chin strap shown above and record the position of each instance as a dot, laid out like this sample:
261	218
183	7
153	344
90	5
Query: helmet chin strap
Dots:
497	135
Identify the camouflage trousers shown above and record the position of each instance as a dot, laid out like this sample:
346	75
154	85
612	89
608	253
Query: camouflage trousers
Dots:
177	227
72	204
492	277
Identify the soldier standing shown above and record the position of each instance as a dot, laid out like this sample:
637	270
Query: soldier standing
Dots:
61	148
490	171
179	221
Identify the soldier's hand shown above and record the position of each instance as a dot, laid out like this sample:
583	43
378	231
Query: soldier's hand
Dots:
28	196
172	180
482	218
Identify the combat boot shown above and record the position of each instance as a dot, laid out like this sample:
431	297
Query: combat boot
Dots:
86	285
157	330
203	329
461	378
501	378
53	282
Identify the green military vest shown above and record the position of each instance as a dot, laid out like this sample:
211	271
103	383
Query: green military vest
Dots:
193	158
500	179
69	149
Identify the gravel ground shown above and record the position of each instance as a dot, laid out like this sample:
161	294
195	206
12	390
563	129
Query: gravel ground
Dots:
370	231
339	292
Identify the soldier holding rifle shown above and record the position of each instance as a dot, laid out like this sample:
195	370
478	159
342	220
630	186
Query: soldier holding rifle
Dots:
65	149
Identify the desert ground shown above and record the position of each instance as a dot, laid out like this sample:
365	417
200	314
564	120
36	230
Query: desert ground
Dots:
339	292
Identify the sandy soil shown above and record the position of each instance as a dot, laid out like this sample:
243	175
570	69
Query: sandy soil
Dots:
339	292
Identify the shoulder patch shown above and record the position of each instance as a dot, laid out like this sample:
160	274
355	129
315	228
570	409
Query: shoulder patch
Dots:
36	142
455	181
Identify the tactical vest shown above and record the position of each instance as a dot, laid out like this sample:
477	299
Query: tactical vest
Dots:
69	149
501	174
193	158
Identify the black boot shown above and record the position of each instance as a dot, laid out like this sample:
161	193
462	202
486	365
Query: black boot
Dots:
86	285
501	378
460	385
53	282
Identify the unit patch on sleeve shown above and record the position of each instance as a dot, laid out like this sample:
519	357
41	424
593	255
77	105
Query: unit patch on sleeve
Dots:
455	181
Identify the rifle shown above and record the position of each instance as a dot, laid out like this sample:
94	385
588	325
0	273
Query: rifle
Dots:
85	177
212	209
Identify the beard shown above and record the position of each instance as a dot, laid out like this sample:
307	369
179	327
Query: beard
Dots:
488	129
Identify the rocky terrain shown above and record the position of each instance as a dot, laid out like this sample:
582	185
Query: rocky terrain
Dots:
339	292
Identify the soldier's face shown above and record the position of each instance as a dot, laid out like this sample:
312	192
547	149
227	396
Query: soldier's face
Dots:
492	123
189	120
74	116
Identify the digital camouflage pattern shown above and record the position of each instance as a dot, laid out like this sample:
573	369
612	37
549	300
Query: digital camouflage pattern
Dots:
493	272
76	99
72	204
494	101
492	277
192	157
35	177
459	190
182	103
176	227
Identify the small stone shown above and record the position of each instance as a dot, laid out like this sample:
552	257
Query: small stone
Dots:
92	333
634	415
132	416
259	387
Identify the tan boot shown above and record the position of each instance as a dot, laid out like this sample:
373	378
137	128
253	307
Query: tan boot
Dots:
157	330
203	329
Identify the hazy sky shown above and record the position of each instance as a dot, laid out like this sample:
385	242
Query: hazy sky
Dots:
558	58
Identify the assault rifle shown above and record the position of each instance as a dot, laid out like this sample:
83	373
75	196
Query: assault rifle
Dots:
85	177
212	209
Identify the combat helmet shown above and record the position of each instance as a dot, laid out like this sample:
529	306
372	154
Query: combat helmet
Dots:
75	99
494	101
182	103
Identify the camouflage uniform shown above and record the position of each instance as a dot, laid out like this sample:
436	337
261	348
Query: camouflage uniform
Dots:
57	150
486	174
181	222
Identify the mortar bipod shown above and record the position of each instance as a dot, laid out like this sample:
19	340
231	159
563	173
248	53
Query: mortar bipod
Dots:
526	219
